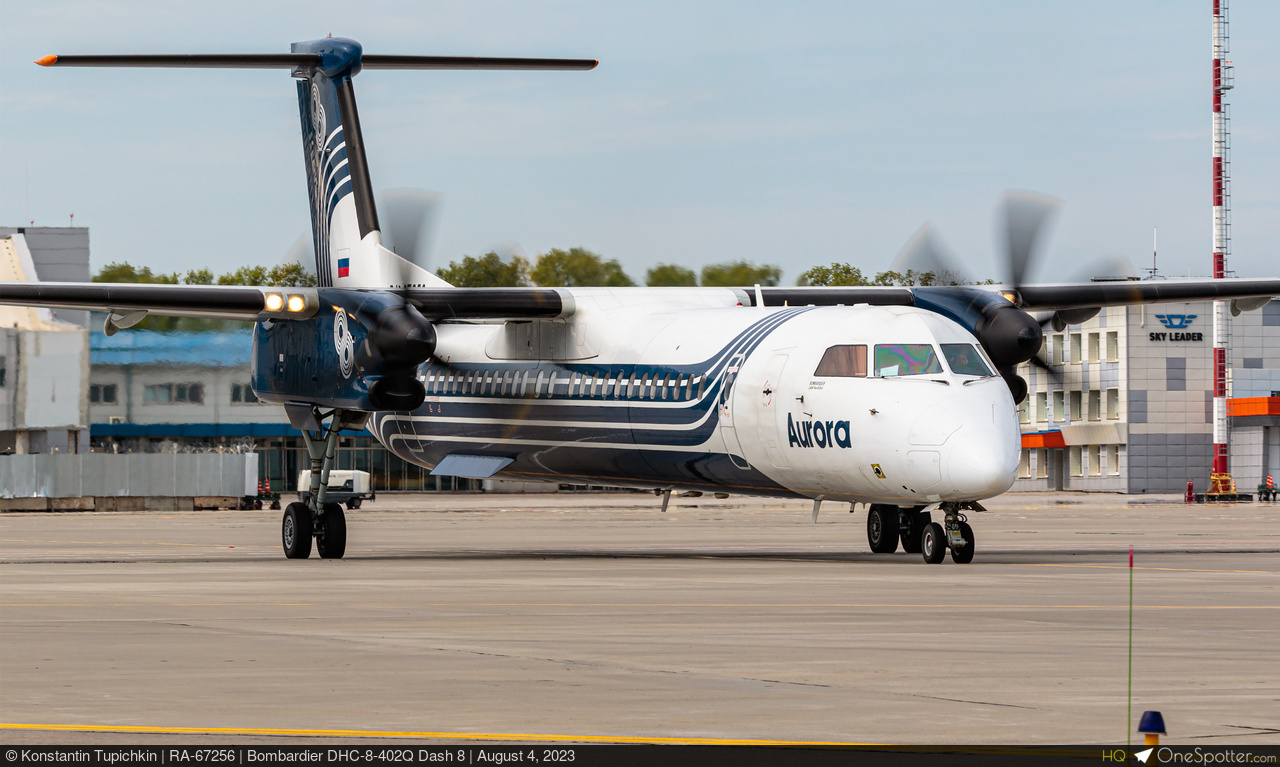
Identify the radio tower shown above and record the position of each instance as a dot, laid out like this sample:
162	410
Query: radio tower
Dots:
1220	479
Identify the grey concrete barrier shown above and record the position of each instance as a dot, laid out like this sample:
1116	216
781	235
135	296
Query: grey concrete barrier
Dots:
99	475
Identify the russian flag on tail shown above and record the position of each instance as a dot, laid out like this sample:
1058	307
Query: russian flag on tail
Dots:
344	267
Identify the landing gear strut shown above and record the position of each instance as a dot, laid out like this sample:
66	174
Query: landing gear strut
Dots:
316	518
953	534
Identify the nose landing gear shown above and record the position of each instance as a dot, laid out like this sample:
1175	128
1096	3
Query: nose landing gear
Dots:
316	518
953	534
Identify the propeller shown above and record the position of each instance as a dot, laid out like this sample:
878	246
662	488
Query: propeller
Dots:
923	254
303	253
1025	215
399	335
1009	335
409	221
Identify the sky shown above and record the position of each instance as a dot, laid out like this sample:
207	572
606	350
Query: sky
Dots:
795	134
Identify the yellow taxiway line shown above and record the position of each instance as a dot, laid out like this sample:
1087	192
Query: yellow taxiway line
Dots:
502	736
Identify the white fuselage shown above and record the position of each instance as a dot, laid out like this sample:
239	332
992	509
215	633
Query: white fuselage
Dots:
687	389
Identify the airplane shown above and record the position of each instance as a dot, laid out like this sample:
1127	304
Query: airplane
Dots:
900	398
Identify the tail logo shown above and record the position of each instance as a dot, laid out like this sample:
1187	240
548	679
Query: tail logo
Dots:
343	343
317	114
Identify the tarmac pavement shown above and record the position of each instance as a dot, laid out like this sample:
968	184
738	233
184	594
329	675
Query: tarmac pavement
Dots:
597	618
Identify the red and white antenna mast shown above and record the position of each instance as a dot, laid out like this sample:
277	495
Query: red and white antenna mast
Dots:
1222	82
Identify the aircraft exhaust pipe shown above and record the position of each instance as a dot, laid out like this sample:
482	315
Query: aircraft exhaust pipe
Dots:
397	392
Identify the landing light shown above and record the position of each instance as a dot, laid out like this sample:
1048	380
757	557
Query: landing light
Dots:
275	302
297	303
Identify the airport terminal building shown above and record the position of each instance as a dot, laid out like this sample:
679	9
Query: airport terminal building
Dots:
1128	406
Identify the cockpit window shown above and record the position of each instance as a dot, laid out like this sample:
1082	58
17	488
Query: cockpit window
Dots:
965	360
843	362
906	360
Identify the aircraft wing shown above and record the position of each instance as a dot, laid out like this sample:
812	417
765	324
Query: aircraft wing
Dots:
229	302
235	302
1251	293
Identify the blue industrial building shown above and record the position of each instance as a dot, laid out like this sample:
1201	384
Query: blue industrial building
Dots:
154	391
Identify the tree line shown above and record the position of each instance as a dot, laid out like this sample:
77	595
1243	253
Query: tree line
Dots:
557	268
579	267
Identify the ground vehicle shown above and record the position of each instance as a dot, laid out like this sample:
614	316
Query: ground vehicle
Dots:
346	487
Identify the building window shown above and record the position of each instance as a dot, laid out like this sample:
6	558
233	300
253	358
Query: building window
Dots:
102	394
1093	348
168	393
1076	457
243	393
1113	404
4	369
1042	406
1059	406
1042	463
1095	460
1113	460
1024	411
1095	405
1076	413
1024	464
1075	348
1113	346
1057	349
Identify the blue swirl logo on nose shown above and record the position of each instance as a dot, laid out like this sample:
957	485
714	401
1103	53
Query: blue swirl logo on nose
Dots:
1176	321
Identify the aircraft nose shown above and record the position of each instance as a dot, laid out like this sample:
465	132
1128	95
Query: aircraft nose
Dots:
982	463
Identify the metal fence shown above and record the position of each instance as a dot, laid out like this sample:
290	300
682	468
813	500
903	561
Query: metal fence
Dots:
132	474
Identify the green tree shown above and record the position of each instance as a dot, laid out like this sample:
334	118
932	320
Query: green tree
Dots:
670	276
126	272
245	275
835	274
198	277
487	271
578	268
291	275
739	274
286	275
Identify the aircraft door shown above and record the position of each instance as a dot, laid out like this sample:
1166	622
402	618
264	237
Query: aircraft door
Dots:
732	446
772	408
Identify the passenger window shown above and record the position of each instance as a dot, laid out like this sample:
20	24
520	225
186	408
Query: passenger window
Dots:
965	360
849	361
906	360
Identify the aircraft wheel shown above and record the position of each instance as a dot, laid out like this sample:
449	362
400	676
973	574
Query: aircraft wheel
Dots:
964	554
295	531
933	543
882	528
910	535
332	540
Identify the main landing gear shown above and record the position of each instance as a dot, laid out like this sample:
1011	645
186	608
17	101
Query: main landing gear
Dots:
325	522
914	528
